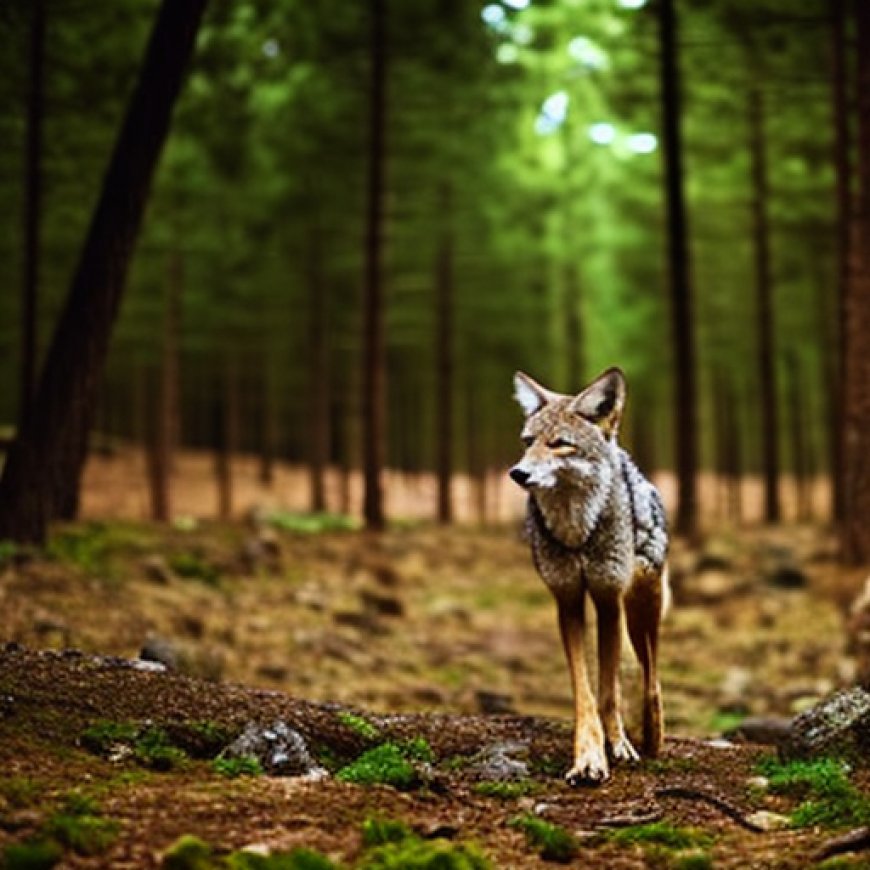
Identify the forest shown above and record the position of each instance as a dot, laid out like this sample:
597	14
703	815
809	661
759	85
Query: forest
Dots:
269	269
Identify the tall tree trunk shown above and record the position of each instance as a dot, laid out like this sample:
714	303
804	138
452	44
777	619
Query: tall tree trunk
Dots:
800	447
156	449
444	363
226	434
835	351
43	470
768	392
32	209
573	327
318	371
855	528
374	353
682	319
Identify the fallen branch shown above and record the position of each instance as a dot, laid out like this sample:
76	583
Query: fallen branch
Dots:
680	791
853	841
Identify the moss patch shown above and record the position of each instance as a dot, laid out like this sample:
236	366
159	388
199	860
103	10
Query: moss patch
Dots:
551	842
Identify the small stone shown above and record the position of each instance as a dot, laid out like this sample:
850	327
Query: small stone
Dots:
768	821
764	730
280	750
494	703
758	782
838	725
162	650
501	762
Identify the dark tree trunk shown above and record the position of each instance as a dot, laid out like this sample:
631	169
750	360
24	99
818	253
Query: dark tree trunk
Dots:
682	319
728	446
835	351
268	430
32	209
318	372
444	364
799	442
768	392
374	362
573	328
855	528
41	478
226	435
156	452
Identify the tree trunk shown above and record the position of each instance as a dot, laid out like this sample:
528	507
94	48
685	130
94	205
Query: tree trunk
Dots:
836	350
800	447
444	363
682	320
42	473
157	449
318	371
855	528
573	327
768	392
374	362
32	209
226	435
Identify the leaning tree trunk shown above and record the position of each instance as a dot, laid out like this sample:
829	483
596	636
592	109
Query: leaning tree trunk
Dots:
374	352
42	474
682	320
856	479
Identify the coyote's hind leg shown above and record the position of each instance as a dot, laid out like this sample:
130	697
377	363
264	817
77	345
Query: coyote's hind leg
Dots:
644	604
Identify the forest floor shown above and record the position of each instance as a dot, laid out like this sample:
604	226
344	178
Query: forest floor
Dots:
438	643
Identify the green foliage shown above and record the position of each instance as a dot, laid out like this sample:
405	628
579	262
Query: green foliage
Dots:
359	725
418	749
33	854
506	790
188	853
378	832
83	546
695	860
80	827
8	552
21	791
192	853
194	566
723	721
412	853
661	834
312	523
830	799
246	765
386	764
552	842
150	746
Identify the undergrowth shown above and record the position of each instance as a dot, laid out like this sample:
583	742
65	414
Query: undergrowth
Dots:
829	798
389	764
551	842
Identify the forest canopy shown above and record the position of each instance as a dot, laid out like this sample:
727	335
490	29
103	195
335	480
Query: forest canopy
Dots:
524	222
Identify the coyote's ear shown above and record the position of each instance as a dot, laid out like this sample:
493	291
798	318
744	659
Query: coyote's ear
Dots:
602	401
530	394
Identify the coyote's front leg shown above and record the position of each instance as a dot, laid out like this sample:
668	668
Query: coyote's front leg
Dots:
590	760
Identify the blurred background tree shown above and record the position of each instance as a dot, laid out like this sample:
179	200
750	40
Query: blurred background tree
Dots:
522	224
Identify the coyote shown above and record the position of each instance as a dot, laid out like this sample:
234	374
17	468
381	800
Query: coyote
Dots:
595	525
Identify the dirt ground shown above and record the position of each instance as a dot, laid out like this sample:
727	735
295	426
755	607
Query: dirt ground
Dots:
444	634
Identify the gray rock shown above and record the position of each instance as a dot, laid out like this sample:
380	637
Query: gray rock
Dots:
764	730
280	749
163	650
501	762
494	702
838	725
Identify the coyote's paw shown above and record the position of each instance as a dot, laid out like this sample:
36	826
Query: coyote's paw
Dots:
621	750
590	769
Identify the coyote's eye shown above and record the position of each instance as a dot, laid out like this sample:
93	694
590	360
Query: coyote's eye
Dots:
561	446
527	440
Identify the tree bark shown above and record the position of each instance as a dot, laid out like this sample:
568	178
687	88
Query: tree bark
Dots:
32	209
444	362
374	346
682	318
768	393
318	372
855	528
836	350
43	470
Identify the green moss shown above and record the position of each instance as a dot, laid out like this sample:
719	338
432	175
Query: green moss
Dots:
506	790
194	566
693	861
150	746
724	721
35	854
418	749
21	791
191	853
412	853
385	764
830	799
85	834
552	842
246	765
660	766
188	853
312	523
359	725
661	834
378	832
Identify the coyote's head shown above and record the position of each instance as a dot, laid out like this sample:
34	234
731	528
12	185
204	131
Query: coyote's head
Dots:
568	438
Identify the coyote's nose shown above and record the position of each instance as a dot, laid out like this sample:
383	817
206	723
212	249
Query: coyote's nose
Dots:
519	476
